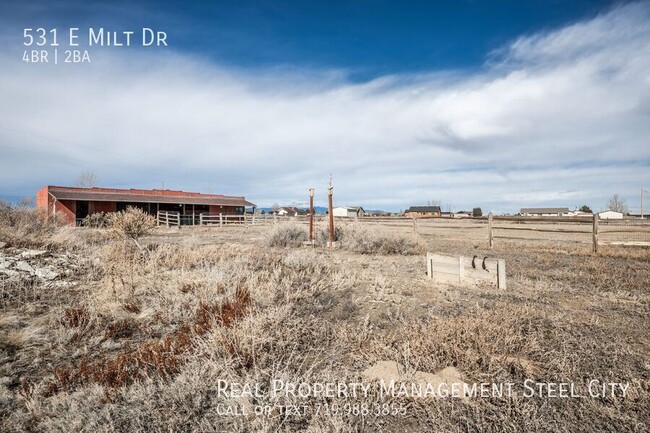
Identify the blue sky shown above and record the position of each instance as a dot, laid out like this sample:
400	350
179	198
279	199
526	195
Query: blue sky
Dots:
366	38
494	104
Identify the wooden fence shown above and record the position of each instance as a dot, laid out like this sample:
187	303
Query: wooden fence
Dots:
589	230
168	219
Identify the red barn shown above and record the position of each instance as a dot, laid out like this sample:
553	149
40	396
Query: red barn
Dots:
77	203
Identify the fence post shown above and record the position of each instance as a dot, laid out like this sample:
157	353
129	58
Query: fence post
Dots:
311	215
330	192
158	218
220	220
490	232
201	219
595	233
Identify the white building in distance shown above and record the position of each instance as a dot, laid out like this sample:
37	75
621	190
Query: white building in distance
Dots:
610	215
544	211
348	212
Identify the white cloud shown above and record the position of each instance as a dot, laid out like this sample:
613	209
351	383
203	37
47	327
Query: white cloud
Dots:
559	118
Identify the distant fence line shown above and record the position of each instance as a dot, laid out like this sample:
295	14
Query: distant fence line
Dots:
496	227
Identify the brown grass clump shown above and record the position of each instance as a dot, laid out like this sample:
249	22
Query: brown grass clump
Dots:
75	318
28	228
287	235
121	329
364	240
161	358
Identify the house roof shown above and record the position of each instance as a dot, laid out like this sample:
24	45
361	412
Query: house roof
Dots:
352	208
293	210
544	210
609	210
145	196
423	209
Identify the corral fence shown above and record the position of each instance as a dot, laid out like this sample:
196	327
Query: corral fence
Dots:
583	230
172	218
589	230
168	218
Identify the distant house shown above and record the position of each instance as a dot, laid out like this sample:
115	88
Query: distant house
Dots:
544	211
290	211
610	215
348	212
462	214
579	213
376	213
422	211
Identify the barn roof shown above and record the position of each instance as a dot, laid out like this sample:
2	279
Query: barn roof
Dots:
145	196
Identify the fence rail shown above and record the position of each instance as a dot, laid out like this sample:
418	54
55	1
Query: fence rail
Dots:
168	218
576	230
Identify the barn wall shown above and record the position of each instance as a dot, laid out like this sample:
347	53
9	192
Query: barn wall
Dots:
218	209
67	208
43	199
101	206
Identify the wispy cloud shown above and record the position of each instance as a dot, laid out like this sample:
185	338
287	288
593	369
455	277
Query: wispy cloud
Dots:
561	117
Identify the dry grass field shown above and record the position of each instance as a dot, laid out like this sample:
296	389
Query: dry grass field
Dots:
105	335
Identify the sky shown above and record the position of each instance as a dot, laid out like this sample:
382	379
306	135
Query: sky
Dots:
491	104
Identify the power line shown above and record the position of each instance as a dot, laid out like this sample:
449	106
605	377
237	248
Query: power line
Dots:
40	154
70	143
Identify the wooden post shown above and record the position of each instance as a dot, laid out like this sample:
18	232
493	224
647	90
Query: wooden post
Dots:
311	215
167	218
330	192
158	218
490	232
220	220
595	233
429	266
201	219
501	274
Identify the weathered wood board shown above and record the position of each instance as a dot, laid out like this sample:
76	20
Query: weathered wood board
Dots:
466	269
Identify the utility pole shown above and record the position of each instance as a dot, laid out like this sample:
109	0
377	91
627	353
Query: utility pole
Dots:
330	192
642	191
311	215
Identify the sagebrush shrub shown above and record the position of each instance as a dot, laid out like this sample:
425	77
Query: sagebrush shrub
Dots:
367	241
287	235
98	220
132	223
27	227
